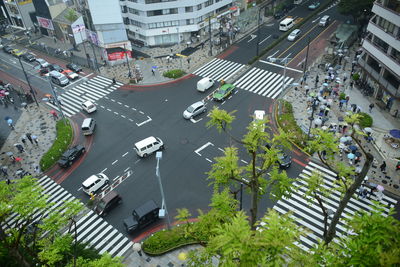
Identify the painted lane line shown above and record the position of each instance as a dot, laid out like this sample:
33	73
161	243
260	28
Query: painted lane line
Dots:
252	36
103	107
90	74
126	106
116	178
103	170
202	147
134	109
195	121
116	113
130	120
127	169
144	122
276	52
286	58
114	162
265	39
141	112
221	149
209	160
113	100
119	103
109	109
106	97
137	161
245	162
123	116
125	154
223	103
277	65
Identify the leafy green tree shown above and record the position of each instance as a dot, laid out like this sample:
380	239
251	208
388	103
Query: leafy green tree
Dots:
71	15
263	149
360	10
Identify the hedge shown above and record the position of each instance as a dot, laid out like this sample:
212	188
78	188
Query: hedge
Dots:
173	74
64	138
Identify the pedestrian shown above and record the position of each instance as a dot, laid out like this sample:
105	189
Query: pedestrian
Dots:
8	181
340	105
35	139
11	124
357	160
23	140
152	71
358	169
19	147
4	170
307	90
344	78
59	100
371	106
37	168
202	46
29	136
383	167
113	80
55	116
351	85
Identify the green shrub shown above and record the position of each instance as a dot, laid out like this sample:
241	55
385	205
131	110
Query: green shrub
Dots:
342	96
173	74
356	76
166	240
365	120
63	140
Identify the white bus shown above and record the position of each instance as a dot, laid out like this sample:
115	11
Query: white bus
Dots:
286	24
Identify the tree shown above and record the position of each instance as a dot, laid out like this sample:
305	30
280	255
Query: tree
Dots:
358	9
263	149
35	235
71	15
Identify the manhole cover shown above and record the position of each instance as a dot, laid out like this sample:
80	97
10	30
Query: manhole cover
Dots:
184	141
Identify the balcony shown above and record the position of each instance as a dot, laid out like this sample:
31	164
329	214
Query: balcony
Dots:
387	13
382	34
383	57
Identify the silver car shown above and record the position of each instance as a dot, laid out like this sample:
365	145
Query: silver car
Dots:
194	110
294	35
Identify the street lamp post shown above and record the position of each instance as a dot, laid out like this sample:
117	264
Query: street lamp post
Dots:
258	31
163	211
56	98
127	63
282	60
313	107
27	80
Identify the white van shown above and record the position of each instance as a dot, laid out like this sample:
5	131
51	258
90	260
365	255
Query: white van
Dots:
324	21
58	78
88	126
204	84
95	182
147	146
286	24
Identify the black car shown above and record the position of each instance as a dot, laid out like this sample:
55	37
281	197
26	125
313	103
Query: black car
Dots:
55	67
108	202
279	14
74	67
142	216
8	49
71	155
284	160
43	71
28	57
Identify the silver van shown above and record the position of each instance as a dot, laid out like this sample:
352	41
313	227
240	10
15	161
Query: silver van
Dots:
58	78
324	21
148	145
88	126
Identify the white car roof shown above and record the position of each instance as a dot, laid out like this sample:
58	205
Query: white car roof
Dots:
259	114
87	103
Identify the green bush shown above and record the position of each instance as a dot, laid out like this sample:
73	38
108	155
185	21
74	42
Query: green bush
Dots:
356	76
365	120
63	140
167	240
173	74
288	123
342	96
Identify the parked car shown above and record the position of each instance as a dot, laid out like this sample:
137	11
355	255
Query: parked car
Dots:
294	35
89	106
74	67
70	74
17	52
142	216
258	116
43	63
284	160
71	155
28	57
205	84
314	6
55	67
324	21
44	72
8	49
223	92
108	202
194	110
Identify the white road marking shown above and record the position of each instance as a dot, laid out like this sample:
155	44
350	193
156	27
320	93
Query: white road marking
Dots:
137	161
141	112
222	103
202	147
123	116
265	39
221	149
127	169
301	62
280	66
126	106
116	178
144	122
315	20
119	103
209	160
103	107
130	119
273	54
245	162
134	109
114	162
125	154
90	74
252	36
103	170
113	100
195	121
116	113
109	109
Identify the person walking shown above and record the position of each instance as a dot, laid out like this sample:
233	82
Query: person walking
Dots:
35	139
153	72
19	147
113	80
29	136
371	106
23	140
383	167
4	170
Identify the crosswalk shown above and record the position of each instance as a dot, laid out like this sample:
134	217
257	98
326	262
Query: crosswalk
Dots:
308	214
255	80
91	228
93	89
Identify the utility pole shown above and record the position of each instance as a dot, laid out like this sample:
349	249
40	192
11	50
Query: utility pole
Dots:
56	98
258	31
95	58
127	62
27	80
84	46
305	62
209	31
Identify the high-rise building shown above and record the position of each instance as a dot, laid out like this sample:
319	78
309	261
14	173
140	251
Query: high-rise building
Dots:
163	22
380	61
20	13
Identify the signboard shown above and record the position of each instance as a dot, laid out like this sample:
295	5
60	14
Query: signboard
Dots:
92	36
119	55
78	28
45	23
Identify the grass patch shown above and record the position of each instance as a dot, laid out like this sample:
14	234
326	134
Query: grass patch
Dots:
63	140
288	123
174	74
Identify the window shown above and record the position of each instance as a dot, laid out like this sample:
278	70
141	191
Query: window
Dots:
170	11
395	55
134	1
189	21
188	9
386	25
154	13
163	24
209	3
133	11
157	1
199	6
381	44
136	23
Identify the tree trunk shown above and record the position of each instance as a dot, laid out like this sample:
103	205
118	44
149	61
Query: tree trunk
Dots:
254	186
346	198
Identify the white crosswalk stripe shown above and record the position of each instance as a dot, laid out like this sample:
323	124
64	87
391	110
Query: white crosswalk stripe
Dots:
91	228
263	82
308	213
219	69
93	89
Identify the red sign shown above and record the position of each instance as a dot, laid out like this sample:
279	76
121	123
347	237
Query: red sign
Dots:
119	55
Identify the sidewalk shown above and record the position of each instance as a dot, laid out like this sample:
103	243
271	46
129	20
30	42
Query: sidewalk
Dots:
382	122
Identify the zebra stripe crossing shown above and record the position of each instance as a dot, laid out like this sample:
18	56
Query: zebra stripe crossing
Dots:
308	213
256	80
263	82
219	69
92	90
90	228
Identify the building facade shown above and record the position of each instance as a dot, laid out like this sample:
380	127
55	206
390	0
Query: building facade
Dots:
165	22
20	13
380	61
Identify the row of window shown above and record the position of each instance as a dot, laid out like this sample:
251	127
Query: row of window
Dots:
163	24
162	12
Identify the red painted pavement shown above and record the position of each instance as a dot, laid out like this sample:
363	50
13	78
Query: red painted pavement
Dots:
232	49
